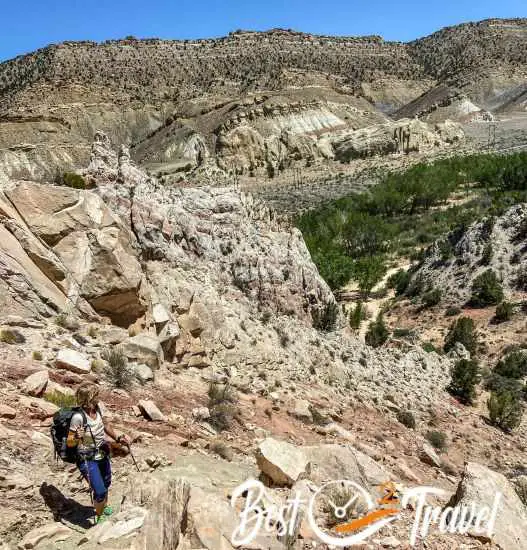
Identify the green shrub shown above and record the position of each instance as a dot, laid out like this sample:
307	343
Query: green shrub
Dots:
325	319
496	382
117	370
406	418
431	298
429	347
357	315
465	377
513	365
486	290
70	179
464	332
505	410
399	281
437	440
222	405
504	312
37	355
452	311
403	333
486	257
377	333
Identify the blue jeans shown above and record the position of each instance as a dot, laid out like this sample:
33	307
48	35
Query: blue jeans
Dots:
98	473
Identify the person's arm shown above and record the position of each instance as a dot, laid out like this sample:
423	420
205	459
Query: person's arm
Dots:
120	438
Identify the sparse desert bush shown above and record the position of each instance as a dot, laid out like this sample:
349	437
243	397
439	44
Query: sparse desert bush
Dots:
486	290
221	449
10	336
61	320
341	496
437	440
465	377
284	337
222	405
266	317
431	298
504	312
117	370
61	399
452	311
325	319
505	410
357	315
377	333
463	331
486	257
319	418
406	418
520	485
403	333
37	356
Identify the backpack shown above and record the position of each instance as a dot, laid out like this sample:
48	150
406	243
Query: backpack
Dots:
59	433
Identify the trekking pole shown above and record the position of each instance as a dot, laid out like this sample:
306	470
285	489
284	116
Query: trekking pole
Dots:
133	457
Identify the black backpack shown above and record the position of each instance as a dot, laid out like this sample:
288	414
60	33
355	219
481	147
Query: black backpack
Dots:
59	433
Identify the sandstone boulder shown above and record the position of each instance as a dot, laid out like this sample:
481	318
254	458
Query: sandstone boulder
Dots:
145	348
36	383
150	411
73	361
50	533
281	462
301	410
429	456
481	485
7	412
143	373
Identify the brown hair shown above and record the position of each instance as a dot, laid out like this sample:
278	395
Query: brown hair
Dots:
86	394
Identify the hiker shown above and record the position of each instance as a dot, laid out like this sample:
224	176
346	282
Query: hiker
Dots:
87	433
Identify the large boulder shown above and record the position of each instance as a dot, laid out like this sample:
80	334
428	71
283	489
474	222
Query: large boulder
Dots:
144	348
283	463
481	486
73	361
35	384
335	462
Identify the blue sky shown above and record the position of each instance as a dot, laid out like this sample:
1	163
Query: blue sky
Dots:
29	24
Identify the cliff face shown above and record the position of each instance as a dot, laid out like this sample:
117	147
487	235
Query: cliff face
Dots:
253	101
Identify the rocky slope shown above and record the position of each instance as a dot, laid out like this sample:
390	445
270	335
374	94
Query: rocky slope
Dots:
453	263
213	288
256	102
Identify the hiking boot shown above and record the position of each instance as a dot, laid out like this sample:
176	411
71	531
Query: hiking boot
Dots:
108	511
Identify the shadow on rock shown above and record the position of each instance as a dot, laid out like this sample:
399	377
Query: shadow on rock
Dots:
66	508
